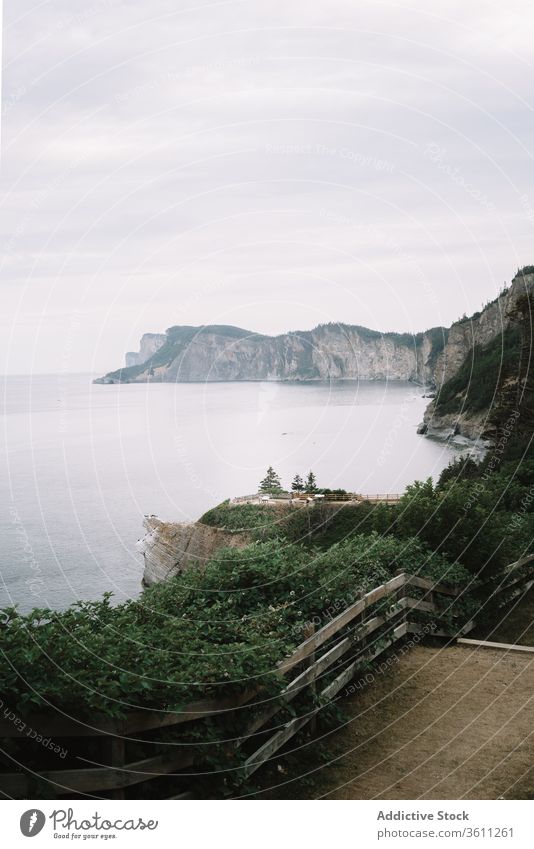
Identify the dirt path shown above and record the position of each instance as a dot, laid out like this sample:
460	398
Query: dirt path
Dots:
444	723
447	724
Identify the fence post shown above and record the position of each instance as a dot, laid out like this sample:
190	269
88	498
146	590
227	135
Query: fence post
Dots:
362	641
434	603
309	631
400	595
117	759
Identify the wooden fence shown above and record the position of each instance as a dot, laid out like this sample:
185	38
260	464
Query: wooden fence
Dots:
324	664
302	497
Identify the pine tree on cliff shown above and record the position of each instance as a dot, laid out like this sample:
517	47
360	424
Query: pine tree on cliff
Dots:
271	482
311	483
298	484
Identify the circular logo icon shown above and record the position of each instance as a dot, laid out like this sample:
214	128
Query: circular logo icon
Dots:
31	822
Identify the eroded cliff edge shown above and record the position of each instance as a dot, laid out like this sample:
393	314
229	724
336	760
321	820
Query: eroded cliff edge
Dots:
169	548
484	384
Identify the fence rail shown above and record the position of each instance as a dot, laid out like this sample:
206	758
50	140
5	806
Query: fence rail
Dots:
338	649
350	497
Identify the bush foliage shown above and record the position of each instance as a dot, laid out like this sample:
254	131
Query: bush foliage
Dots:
220	630
206	632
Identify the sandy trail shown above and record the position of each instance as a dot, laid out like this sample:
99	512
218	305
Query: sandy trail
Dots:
445	724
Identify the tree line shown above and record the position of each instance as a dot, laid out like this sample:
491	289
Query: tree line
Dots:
271	483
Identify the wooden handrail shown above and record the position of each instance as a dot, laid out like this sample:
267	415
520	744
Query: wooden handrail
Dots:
344	618
282	736
529	558
99	778
63	725
425	584
344	642
148	719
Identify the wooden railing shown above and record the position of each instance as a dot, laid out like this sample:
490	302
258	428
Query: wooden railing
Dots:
324	663
512	581
382	498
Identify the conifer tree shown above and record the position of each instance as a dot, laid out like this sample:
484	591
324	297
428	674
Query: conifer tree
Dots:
271	482
311	483
298	484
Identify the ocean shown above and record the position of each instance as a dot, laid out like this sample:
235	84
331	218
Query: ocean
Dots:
82	464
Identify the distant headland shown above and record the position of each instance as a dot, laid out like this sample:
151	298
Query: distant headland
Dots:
472	366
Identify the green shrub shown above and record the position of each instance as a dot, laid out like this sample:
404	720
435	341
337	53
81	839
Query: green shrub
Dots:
238	517
212	632
470	520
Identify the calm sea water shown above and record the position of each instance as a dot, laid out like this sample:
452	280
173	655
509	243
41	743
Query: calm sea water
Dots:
82	464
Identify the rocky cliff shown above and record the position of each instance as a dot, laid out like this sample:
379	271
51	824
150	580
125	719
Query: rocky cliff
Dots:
329	352
481	375
474	366
169	548
150	343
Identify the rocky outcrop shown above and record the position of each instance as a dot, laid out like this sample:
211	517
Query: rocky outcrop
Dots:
462	430
466	340
150	343
329	352
463	335
169	548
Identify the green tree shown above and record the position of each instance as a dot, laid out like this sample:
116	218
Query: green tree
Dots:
298	484
463	468
271	482
462	519
311	483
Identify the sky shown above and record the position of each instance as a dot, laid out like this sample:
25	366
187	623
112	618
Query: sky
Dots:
272	165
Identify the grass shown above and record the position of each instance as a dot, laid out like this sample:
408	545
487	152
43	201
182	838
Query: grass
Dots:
321	525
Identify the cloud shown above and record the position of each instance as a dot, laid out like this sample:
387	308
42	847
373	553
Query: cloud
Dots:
271	164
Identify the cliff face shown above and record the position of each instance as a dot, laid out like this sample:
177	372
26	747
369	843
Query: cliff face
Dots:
169	548
329	352
477	374
150	343
463	335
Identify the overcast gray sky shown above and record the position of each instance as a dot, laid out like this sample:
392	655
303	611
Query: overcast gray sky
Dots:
267	163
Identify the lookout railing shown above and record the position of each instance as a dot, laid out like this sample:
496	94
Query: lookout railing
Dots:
327	660
350	497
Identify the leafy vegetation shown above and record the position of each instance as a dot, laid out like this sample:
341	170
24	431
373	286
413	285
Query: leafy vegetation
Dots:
320	524
218	632
224	627
480	515
210	632
247	517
